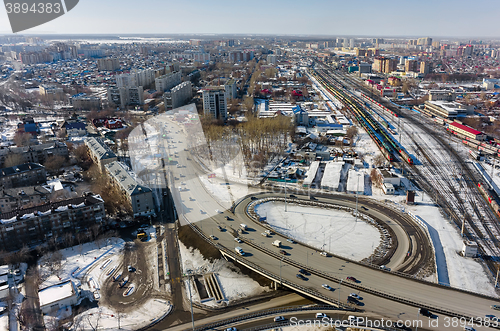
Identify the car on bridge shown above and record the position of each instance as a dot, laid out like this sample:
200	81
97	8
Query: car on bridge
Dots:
302	271
353	300
291	241
283	252
496	307
228	218
352	279
279	319
238	240
326	287
325	254
425	312
213	237
300	276
355	296
320	315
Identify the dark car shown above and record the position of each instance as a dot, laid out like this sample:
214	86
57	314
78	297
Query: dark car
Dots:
293	196
253	198
312	198
425	312
302	271
228	218
352	279
364	208
300	276
283	252
352	300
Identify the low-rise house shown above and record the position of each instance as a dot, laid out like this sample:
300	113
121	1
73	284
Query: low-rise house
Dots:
58	296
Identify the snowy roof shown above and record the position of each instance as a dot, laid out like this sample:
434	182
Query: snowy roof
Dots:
311	173
99	148
56	293
331	175
353	182
127	182
4	269
27	167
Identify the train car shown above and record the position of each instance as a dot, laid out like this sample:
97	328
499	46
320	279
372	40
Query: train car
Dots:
490	198
407	157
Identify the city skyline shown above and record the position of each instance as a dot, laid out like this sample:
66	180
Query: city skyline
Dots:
454	19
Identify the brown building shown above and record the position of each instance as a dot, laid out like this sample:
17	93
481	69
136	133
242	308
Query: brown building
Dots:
384	64
35	153
35	225
23	175
17	198
411	66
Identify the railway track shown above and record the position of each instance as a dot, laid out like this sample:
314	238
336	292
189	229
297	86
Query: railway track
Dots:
483	234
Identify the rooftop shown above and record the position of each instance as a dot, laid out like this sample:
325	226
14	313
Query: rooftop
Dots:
125	179
56	293
99	148
20	169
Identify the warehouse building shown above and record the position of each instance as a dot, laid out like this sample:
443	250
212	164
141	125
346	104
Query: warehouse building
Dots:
466	131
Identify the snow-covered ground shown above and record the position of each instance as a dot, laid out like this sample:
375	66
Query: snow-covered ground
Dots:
103	318
335	231
88	265
234	285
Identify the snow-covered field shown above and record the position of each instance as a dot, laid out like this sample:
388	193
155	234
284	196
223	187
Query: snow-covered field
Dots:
234	285
335	231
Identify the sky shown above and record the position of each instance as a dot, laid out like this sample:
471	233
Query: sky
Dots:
453	18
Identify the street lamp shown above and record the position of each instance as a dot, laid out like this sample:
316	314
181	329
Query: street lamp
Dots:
190	298
340	283
281	283
357	190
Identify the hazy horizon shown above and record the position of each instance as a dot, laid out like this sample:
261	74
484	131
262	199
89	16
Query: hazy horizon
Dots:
357	18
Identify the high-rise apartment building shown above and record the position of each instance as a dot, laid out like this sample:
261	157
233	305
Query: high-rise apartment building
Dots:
214	102
166	82
108	64
384	64
411	65
126	96
427	41
178	95
425	67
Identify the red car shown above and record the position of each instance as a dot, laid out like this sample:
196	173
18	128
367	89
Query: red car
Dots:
352	279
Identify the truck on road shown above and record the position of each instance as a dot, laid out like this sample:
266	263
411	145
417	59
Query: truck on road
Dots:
277	243
239	250
243	227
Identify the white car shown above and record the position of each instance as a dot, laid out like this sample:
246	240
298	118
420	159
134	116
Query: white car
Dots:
213	237
326	287
320	315
130	268
324	254
218	211
279	318
238	240
355	296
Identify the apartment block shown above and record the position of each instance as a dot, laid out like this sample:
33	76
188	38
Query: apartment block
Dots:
168	81
230	87
178	95
26	174
35	153
109	64
22	197
35	225
140	196
82	101
126	96
214	102
100	153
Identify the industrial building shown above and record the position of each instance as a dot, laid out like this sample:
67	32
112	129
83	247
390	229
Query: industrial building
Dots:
466	131
355	182
311	174
448	110
331	176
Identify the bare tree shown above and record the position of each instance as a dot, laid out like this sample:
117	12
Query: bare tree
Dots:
378	160
96	317
13	160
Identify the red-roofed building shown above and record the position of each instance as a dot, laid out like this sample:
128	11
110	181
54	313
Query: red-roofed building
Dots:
113	123
466	131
